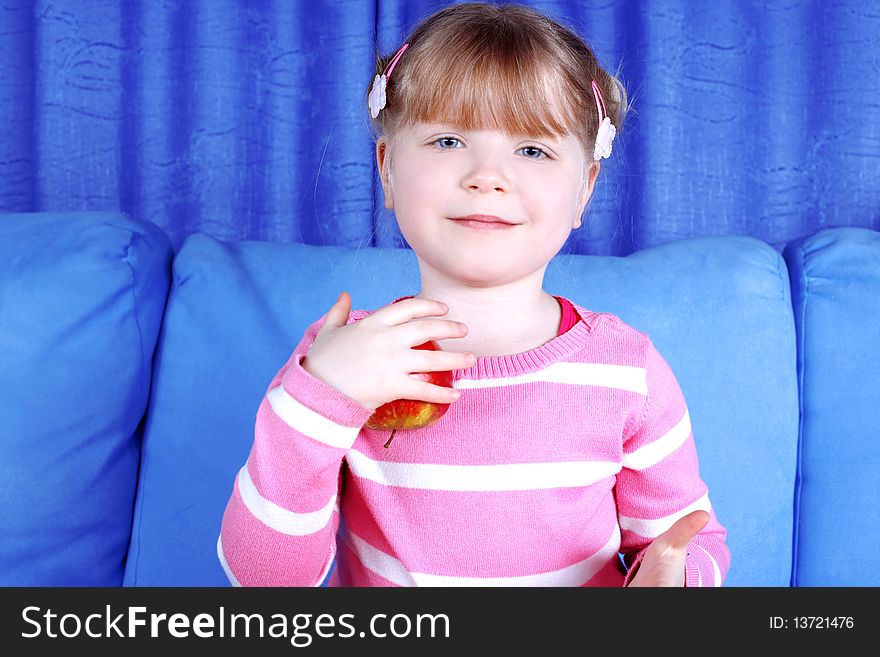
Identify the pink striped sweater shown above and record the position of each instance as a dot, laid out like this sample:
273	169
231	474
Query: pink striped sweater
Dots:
550	463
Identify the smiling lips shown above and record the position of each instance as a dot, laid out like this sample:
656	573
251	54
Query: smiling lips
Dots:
483	222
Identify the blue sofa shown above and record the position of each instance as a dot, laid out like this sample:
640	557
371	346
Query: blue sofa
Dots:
130	379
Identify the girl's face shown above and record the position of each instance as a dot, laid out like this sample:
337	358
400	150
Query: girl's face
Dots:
439	172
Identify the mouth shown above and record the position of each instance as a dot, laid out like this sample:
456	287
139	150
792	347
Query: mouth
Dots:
483	222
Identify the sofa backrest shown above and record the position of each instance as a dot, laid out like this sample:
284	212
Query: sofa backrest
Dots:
718	309
835	282
81	300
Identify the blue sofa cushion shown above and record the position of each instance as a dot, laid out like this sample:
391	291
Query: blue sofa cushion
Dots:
717	308
835	283
81	302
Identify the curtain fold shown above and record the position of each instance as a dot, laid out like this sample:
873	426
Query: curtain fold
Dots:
248	120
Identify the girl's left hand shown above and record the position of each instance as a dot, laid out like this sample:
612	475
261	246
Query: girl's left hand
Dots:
664	560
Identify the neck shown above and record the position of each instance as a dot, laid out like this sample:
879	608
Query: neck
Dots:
504	319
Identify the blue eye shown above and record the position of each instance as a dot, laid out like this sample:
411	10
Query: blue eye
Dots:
542	154
444	139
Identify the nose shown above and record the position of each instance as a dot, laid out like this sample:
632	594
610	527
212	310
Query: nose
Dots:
485	177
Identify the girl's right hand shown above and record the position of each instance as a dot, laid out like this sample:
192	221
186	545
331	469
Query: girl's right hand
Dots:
371	360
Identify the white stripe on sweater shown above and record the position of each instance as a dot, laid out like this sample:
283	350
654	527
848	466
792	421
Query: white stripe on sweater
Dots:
393	570
652	528
306	421
482	478
656	451
277	517
623	377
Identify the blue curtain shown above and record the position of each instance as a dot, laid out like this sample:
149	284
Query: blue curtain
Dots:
247	120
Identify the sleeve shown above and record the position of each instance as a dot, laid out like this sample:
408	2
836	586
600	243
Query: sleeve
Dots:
279	526
660	482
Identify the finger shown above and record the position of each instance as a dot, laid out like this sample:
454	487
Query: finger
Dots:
403	311
440	361
418	332
338	314
685	528
424	391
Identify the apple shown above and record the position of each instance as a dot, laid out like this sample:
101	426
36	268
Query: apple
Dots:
412	413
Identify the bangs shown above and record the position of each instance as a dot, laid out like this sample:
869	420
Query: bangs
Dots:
490	85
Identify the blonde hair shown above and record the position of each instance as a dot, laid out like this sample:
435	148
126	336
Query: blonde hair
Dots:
485	66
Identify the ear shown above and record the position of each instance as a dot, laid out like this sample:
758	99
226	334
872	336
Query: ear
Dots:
383	163
587	191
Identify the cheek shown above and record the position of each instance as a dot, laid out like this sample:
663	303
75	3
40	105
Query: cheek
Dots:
554	198
414	192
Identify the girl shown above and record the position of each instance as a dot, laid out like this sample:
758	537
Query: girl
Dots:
488	141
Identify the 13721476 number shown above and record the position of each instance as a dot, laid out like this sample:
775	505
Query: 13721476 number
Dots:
822	622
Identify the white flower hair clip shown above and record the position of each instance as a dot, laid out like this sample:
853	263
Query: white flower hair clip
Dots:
606	131
376	99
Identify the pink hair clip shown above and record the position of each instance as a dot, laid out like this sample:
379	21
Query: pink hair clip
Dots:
606	131
376	100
